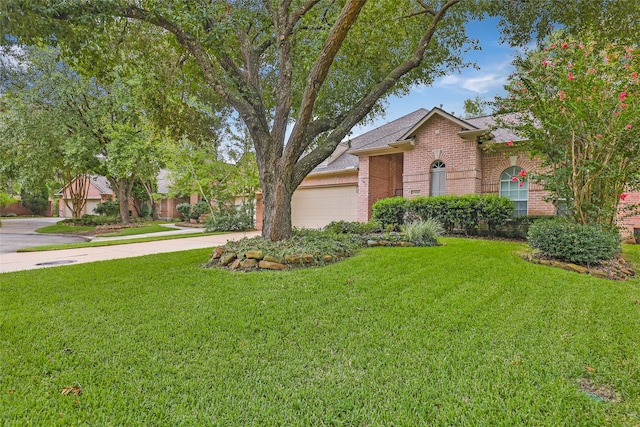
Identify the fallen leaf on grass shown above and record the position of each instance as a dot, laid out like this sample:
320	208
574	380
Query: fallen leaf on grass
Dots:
590	369
75	390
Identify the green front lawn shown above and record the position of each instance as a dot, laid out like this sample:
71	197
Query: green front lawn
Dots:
463	334
60	228
145	229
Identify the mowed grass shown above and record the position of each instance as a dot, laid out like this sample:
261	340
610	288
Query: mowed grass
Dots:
464	334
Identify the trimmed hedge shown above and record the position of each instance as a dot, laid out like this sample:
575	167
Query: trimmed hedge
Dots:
577	243
453	212
389	212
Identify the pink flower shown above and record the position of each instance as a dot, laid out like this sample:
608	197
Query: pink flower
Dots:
514	179
523	173
521	184
581	46
599	136
570	76
565	45
545	63
616	113
627	127
634	75
624	105
561	94
623	196
510	143
606	59
623	95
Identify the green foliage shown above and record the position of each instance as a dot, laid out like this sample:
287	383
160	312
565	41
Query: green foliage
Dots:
92	220
6	199
108	208
389	212
145	211
517	227
579	243
462	212
312	242
576	104
423	233
230	218
353	227
36	200
475	107
184	209
199	209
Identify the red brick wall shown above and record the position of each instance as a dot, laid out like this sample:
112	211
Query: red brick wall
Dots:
438	140
379	178
495	162
629	223
17	209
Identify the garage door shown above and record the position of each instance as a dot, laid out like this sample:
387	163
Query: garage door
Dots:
317	207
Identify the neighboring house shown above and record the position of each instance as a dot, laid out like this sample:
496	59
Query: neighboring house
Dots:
99	191
425	153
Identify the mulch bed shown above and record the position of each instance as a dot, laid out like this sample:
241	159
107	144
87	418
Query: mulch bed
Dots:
616	269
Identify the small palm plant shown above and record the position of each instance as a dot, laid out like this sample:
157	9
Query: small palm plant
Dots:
423	233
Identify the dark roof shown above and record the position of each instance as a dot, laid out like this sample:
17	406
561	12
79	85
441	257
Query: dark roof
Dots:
379	137
398	129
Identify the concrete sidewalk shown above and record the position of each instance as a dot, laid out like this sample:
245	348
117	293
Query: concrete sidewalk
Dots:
31	260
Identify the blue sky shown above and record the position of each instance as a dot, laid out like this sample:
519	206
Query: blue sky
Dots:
451	91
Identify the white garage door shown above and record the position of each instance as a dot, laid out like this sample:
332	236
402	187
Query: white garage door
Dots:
317	207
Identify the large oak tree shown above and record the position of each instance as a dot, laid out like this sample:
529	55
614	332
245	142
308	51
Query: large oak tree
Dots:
302	73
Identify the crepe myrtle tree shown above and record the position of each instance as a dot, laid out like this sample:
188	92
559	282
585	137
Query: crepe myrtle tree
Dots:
576	101
299	73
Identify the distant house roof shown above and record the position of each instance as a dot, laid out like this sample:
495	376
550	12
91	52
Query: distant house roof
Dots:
397	132
98	181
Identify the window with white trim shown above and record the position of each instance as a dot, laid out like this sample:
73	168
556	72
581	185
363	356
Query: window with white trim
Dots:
437	178
516	187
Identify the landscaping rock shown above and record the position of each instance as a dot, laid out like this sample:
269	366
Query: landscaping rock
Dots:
235	264
249	263
307	258
254	255
577	268
271	265
270	258
327	258
217	253
372	243
227	258
406	244
292	259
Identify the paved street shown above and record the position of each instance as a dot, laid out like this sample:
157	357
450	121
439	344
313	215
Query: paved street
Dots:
31	260
20	233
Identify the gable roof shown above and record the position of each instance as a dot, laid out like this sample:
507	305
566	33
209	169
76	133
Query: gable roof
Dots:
100	182
397	134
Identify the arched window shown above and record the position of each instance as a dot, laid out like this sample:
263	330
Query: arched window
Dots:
516	187
437	177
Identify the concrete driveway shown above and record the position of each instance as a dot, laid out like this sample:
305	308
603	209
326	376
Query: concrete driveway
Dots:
20	233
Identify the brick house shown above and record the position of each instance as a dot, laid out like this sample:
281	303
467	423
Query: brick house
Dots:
425	153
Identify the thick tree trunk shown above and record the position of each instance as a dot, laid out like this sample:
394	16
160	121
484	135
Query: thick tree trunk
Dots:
123	198
276	214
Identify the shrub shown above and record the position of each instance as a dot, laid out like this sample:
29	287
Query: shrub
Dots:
563	240
496	210
184	209
229	218
389	212
353	227
423	233
200	209
145	211
92	220
108	208
464	212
